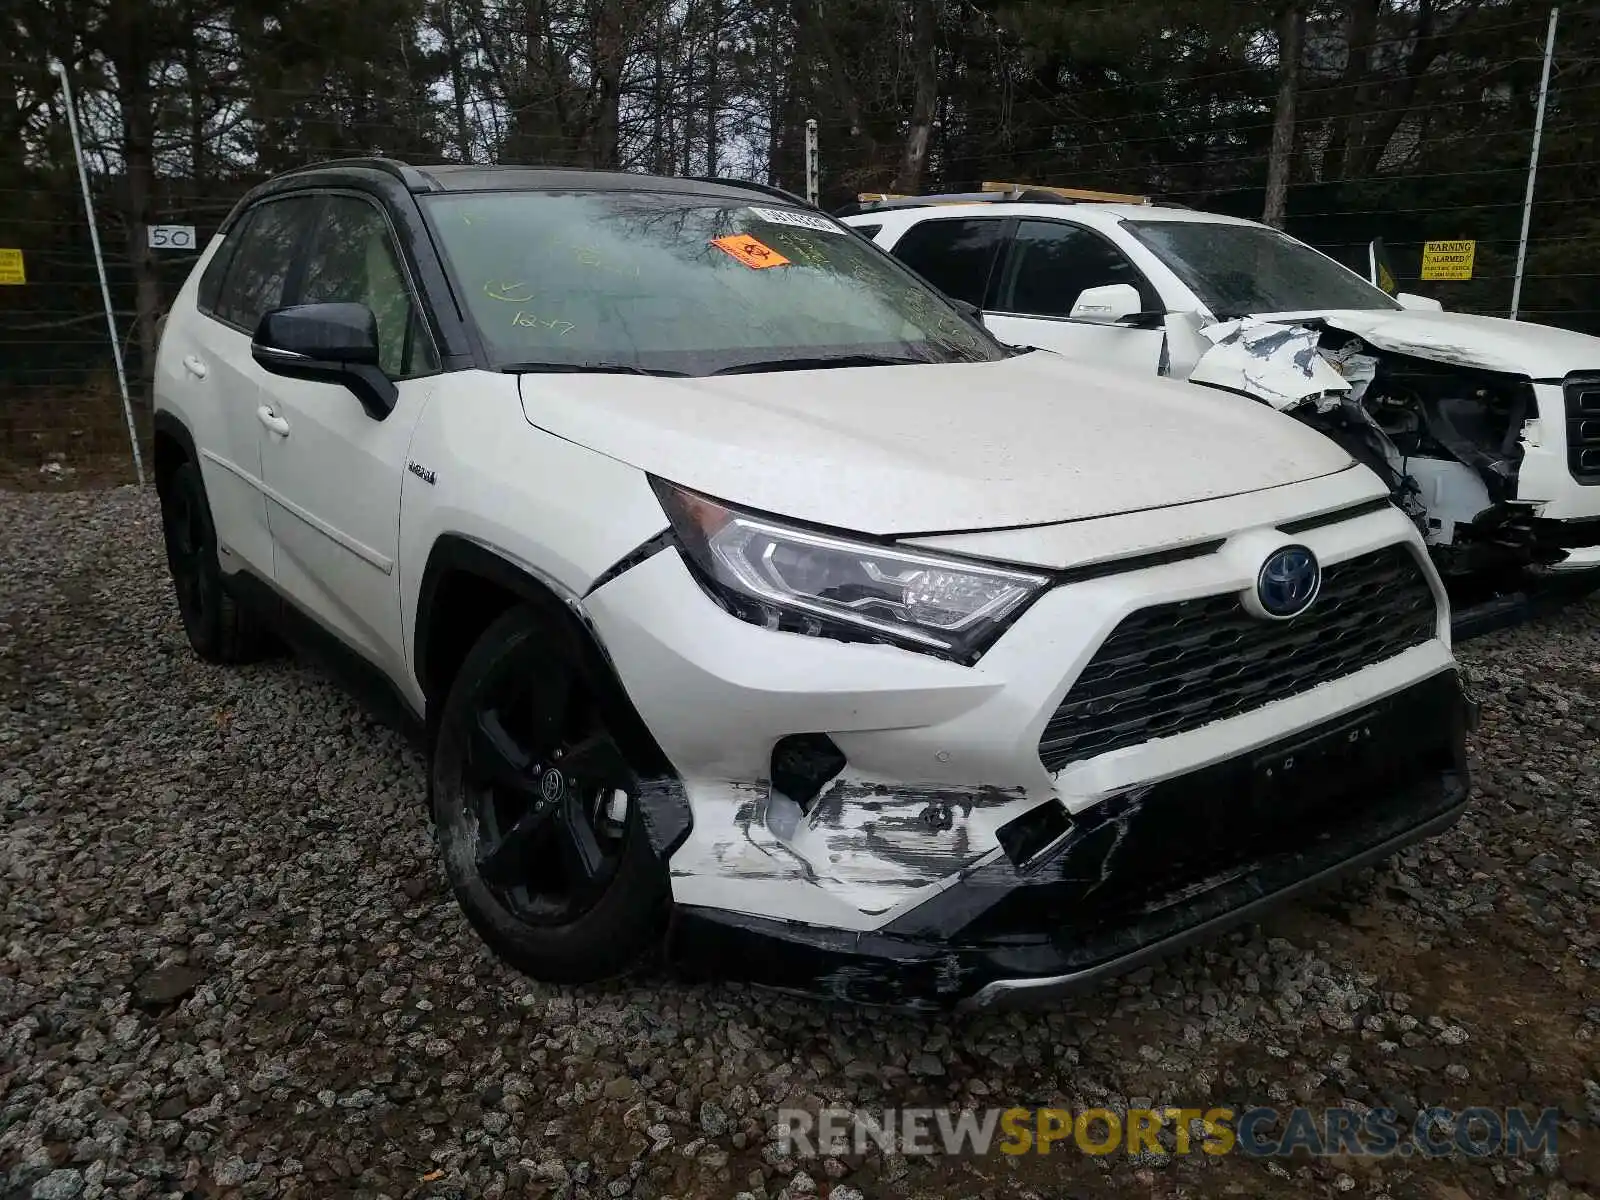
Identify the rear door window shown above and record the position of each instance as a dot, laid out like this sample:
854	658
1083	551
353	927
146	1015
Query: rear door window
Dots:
955	255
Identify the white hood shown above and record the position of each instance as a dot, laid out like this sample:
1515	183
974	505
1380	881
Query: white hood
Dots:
891	450
1492	343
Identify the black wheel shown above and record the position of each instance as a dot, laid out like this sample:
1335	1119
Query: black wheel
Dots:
217	629
535	810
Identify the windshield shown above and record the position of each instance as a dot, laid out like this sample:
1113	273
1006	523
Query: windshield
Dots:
679	284
1242	270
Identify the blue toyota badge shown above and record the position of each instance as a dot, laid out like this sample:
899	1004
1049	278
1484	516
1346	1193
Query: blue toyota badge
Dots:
1288	582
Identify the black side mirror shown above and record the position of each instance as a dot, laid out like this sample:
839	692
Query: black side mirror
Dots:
327	343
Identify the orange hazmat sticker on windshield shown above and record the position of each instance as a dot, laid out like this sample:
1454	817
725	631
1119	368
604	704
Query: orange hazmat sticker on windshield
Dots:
752	252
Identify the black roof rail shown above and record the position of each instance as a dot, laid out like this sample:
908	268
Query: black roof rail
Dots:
411	177
766	189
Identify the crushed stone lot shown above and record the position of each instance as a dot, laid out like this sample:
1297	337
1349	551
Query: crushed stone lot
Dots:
229	964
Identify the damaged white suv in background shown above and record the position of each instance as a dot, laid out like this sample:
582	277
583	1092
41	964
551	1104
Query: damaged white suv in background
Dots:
1487	431
760	610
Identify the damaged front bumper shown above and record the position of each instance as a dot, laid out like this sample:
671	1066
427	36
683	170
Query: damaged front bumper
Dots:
1137	876
1090	789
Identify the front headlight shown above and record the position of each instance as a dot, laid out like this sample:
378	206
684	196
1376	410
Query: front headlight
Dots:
806	581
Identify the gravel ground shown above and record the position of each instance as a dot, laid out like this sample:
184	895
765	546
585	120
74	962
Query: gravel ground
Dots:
229	964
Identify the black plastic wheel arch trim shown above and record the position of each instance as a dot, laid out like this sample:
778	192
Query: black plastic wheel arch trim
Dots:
663	801
167	424
456	553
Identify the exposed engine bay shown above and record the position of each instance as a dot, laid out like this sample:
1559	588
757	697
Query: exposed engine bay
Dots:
1448	439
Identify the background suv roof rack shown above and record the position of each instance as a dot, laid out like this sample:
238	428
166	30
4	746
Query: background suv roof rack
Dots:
991	193
1075	195
881	201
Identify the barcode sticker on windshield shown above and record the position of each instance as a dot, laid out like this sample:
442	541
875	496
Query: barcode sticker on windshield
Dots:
788	216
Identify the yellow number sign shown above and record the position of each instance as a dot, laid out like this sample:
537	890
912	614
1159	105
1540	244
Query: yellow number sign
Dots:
11	267
1448	260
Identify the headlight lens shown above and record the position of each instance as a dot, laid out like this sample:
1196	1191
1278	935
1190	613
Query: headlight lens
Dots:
805	581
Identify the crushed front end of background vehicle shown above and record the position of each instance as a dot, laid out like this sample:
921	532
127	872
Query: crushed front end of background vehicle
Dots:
1447	437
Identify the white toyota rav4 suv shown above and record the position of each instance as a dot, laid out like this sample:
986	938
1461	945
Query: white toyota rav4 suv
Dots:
760	608
1488	431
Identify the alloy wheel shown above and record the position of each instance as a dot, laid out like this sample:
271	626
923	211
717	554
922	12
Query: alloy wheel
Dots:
547	790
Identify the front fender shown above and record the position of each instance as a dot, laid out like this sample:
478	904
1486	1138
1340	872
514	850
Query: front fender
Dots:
482	476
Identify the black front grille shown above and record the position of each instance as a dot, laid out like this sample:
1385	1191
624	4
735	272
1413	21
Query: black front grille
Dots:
1583	427
1176	667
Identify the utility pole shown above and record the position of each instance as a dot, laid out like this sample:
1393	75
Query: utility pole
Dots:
1533	165
100	264
813	172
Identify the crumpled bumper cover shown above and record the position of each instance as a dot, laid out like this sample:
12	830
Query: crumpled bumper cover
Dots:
1135	877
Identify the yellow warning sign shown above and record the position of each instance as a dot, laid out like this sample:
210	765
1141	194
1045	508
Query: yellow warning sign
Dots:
1448	260
11	267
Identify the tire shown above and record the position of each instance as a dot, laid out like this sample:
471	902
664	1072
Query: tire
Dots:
218	630
518	709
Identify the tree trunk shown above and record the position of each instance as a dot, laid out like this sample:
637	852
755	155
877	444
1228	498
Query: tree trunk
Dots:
1395	103
196	85
774	98
686	43
658	99
536	91
788	162
1344	148
458	83
1291	32
713	83
138	136
610	54
127	38
925	99
844	92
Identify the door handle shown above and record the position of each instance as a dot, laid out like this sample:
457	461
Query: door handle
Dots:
272	421
194	365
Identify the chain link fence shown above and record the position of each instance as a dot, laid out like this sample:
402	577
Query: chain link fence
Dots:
61	415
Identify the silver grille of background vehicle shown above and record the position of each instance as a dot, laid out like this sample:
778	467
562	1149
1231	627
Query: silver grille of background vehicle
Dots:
1176	667
1583	427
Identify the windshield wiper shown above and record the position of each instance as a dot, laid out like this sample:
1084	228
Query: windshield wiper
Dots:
588	368
822	362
